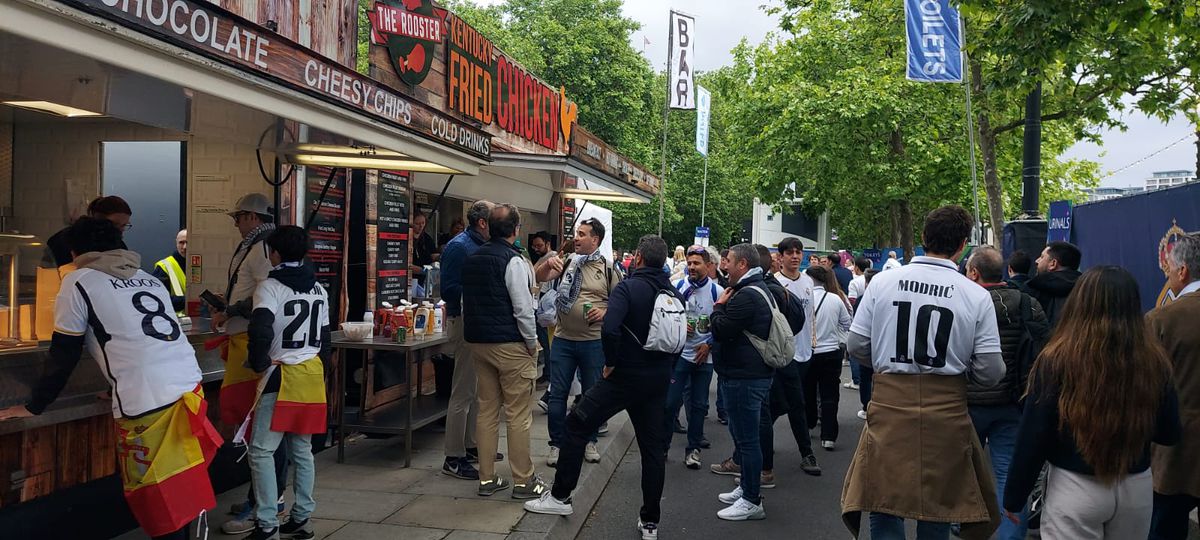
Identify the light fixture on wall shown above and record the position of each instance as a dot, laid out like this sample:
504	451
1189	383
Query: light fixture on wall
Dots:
594	195
53	108
358	157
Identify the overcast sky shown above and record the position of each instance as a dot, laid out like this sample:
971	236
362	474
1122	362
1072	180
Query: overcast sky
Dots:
721	24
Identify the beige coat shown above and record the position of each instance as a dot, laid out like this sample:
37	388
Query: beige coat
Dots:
1177	468
919	458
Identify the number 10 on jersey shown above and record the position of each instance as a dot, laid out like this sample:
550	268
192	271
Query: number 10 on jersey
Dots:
905	353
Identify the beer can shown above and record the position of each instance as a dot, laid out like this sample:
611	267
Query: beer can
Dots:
702	325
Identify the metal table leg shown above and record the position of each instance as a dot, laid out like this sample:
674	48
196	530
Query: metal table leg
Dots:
340	409
408	432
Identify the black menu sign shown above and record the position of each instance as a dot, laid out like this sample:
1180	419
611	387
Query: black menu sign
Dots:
391	245
568	214
327	230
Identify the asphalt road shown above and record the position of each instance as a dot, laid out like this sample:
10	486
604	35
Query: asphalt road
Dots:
802	506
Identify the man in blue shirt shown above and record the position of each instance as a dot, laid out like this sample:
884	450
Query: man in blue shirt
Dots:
464	407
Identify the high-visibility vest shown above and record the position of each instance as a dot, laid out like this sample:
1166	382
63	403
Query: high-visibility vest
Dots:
175	275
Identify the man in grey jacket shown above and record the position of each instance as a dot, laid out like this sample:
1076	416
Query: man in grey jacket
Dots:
501	333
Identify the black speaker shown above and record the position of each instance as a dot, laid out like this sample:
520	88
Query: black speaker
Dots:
1028	235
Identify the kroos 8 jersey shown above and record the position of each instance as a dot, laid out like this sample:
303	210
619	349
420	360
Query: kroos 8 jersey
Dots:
133	333
299	318
926	318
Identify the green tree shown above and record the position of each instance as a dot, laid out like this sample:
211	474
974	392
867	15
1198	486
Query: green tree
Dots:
830	118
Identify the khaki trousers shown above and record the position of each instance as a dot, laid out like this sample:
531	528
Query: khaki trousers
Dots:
462	412
505	375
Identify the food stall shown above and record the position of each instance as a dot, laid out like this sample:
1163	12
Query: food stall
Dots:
542	160
229	98
241	102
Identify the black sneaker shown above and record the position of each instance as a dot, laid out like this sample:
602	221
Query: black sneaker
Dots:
809	465
473	455
459	468
679	427
704	444
299	530
263	534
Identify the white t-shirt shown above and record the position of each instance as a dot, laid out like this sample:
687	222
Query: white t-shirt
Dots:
857	286
133	333
832	321
802	287
299	318
892	264
926	318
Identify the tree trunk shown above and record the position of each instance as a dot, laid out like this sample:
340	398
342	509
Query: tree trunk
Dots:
894	220
991	177
906	230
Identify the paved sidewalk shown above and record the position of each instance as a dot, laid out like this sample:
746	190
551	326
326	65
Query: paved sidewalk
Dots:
371	496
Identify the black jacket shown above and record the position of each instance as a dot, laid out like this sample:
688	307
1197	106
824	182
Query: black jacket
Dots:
627	321
1007	300
1020	281
487	306
745	311
1051	290
1039	440
788	304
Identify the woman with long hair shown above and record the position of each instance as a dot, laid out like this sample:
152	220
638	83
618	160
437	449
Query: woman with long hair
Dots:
1099	394
831	322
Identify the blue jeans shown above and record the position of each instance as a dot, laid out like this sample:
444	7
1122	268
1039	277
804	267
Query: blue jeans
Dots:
689	383
566	357
856	372
996	427
263	443
889	527
744	400
721	415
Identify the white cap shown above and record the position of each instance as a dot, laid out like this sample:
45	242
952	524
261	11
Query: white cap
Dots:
254	202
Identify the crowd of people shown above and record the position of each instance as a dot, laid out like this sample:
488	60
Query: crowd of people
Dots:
996	399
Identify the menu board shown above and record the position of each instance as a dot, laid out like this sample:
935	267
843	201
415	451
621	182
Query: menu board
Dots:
327	230
391	244
568	213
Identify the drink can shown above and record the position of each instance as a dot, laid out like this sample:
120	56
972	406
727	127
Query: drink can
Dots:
587	307
693	325
702	324
401	334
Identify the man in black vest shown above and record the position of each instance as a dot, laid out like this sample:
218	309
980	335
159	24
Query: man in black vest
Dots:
501	334
635	380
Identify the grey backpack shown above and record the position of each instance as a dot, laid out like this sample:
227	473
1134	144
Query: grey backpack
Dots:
779	348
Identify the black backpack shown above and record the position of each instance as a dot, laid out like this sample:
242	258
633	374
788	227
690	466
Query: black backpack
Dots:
1028	349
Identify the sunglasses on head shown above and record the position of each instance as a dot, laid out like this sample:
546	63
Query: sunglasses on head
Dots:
697	250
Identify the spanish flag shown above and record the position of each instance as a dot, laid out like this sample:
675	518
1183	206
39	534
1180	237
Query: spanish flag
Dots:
300	407
239	389
163	457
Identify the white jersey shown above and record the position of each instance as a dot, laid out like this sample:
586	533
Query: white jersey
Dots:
299	318
926	318
892	264
857	286
802	287
133	333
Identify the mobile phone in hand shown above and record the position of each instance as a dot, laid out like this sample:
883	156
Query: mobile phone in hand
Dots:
213	300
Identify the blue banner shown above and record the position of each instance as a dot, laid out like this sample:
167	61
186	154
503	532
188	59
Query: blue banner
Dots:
1058	227
1137	233
935	41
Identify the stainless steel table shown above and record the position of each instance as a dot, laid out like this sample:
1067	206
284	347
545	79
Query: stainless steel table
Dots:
400	417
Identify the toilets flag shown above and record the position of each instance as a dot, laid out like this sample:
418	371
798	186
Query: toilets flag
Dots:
935	41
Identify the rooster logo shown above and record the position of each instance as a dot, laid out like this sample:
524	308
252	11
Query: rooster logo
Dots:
411	56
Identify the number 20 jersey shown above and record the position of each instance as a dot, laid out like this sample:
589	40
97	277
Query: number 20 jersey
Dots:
132	332
926	317
299	318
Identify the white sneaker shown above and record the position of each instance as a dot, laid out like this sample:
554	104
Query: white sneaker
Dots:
862	415
552	459
827	445
732	496
547	504
743	510
693	460
850	386
649	530
591	454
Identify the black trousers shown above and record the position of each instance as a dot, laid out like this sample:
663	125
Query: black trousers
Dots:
822	385
181	534
641	392
1170	521
787	397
